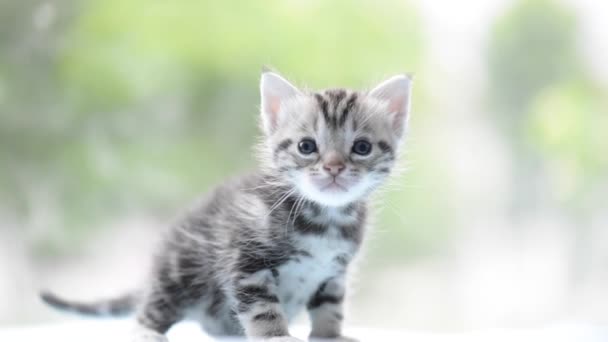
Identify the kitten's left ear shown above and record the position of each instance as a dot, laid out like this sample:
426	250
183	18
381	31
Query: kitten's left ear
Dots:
397	92
274	90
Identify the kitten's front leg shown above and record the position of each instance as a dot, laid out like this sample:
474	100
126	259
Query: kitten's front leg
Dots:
145	334
326	311
258	308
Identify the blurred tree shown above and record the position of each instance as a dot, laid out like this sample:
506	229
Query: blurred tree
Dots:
31	113
568	123
554	117
532	47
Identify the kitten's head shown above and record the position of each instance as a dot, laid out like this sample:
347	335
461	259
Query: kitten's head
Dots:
335	146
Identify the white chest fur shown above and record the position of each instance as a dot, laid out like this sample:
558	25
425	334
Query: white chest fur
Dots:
318	258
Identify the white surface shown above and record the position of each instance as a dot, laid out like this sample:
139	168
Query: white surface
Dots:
118	331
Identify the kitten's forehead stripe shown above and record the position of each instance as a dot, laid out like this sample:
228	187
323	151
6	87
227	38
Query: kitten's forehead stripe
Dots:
332	98
336	105
350	103
323	105
336	96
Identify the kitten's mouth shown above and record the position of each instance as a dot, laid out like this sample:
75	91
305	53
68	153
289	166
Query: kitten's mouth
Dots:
333	186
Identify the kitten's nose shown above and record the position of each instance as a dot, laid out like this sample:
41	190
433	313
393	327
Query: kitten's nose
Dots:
334	167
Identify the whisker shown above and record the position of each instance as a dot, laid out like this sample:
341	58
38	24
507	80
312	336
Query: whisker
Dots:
280	201
299	207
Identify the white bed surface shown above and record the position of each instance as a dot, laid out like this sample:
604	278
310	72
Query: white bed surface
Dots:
117	331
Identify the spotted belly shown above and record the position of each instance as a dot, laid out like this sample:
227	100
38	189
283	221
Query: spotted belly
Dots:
316	260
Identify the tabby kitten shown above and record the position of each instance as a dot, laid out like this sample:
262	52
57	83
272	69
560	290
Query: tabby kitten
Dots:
248	257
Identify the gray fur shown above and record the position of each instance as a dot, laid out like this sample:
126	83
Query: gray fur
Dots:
229	260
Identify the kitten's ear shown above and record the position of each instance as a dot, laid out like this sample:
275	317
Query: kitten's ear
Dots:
274	90
397	92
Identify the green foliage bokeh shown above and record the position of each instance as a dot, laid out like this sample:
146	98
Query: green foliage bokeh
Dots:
126	106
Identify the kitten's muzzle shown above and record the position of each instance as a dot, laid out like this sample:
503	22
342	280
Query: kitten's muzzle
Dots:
332	183
334	168
333	163
334	186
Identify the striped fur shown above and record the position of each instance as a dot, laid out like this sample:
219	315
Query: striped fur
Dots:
119	306
258	249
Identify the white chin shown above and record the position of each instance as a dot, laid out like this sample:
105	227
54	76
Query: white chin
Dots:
332	197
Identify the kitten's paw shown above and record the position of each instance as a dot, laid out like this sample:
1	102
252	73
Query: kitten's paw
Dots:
333	339
283	339
147	335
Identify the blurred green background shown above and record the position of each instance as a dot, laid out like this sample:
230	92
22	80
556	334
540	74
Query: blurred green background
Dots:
114	114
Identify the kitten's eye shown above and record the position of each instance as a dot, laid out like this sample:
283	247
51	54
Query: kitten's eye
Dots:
362	147
307	146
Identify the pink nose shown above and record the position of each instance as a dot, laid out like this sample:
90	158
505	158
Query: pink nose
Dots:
335	168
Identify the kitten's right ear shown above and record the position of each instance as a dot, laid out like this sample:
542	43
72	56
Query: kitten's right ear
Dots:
396	91
274	91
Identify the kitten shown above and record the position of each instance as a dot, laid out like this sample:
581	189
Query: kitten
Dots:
257	250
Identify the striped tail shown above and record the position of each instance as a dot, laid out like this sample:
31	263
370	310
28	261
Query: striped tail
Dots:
120	306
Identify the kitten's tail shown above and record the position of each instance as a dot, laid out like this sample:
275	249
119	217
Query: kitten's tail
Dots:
120	306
